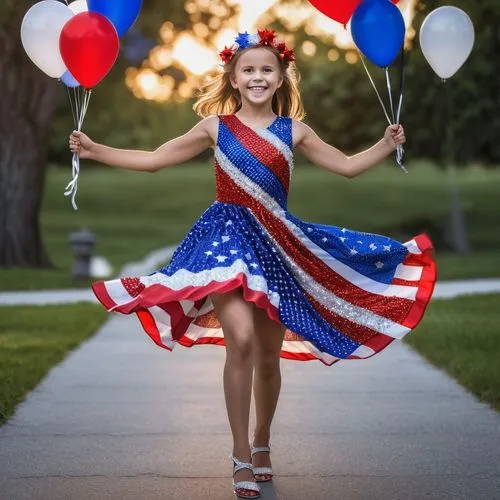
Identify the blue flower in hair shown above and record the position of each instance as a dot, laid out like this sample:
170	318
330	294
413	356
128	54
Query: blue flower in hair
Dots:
243	40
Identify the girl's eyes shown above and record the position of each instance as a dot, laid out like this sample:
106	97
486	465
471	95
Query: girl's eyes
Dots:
249	70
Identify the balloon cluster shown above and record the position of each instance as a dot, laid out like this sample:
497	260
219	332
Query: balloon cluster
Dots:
78	44
378	30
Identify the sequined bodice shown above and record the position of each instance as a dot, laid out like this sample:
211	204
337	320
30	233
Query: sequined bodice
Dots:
255	163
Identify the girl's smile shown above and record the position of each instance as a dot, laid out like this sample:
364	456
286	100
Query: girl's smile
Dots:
257	75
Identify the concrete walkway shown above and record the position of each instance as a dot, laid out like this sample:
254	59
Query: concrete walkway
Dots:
444	290
123	419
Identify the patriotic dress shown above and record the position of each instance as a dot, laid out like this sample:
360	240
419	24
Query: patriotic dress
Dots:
341	294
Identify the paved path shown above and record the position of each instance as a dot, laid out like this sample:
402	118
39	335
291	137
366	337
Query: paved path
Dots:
444	290
123	419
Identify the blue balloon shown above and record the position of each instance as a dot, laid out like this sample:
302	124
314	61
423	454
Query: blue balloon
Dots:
378	29
122	13
69	80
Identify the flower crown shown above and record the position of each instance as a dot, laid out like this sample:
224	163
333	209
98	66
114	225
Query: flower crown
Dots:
266	38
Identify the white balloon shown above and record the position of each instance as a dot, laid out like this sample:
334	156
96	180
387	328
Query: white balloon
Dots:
447	38
40	31
78	6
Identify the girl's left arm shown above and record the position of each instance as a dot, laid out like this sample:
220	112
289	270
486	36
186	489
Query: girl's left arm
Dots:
322	154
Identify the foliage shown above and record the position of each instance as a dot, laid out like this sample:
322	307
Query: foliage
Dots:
473	93
343	108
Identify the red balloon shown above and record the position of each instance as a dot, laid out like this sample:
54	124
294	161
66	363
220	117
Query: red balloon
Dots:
338	10
89	46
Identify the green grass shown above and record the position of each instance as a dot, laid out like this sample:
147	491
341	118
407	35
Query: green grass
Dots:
33	339
462	336
132	213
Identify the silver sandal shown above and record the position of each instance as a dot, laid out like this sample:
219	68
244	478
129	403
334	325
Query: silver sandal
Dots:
243	485
262	471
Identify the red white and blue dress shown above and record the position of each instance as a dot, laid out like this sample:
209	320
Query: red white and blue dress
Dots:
341	294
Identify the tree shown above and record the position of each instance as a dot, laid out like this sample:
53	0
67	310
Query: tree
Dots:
28	101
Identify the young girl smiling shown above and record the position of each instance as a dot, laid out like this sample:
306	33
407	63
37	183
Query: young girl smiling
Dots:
251	276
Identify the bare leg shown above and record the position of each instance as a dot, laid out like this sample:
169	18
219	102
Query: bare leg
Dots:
268	338
236	318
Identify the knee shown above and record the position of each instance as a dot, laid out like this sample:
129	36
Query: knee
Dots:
267	366
240	348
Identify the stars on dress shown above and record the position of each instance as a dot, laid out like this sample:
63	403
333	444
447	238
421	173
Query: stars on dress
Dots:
229	222
254	265
353	251
373	246
233	252
221	258
209	252
387	248
342	239
215	244
248	256
225	239
324	240
379	265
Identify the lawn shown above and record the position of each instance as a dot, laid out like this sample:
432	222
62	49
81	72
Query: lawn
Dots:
33	339
132	213
462	336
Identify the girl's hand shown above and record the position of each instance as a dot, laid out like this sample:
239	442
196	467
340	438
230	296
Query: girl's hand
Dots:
394	136
81	143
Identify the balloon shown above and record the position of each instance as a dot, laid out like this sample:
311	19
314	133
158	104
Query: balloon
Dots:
338	10
447	38
69	80
78	6
89	46
378	29
122	13
40	31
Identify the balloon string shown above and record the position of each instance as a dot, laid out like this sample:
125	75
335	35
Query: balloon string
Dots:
375	88
72	187
389	91
399	149
72	105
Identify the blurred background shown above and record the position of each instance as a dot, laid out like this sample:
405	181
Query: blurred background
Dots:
147	99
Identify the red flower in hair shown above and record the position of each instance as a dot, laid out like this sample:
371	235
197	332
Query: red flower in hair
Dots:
267	37
281	47
288	55
226	55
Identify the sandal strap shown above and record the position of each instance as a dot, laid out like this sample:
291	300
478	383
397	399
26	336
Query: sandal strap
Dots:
259	449
246	485
239	465
262	471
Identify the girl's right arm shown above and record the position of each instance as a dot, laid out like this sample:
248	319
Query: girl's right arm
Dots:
173	152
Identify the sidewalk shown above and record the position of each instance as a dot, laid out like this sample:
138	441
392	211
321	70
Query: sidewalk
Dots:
123	419
444	290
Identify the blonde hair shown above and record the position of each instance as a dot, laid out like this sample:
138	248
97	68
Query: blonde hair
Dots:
217	96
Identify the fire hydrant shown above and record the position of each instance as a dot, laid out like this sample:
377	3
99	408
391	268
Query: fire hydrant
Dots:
82	242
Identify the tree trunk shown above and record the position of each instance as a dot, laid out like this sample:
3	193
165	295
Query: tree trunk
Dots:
27	101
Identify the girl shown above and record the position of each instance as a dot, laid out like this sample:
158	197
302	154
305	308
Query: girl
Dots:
251	276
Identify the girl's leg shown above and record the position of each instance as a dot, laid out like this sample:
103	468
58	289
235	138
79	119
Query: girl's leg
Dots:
236	319
268	337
